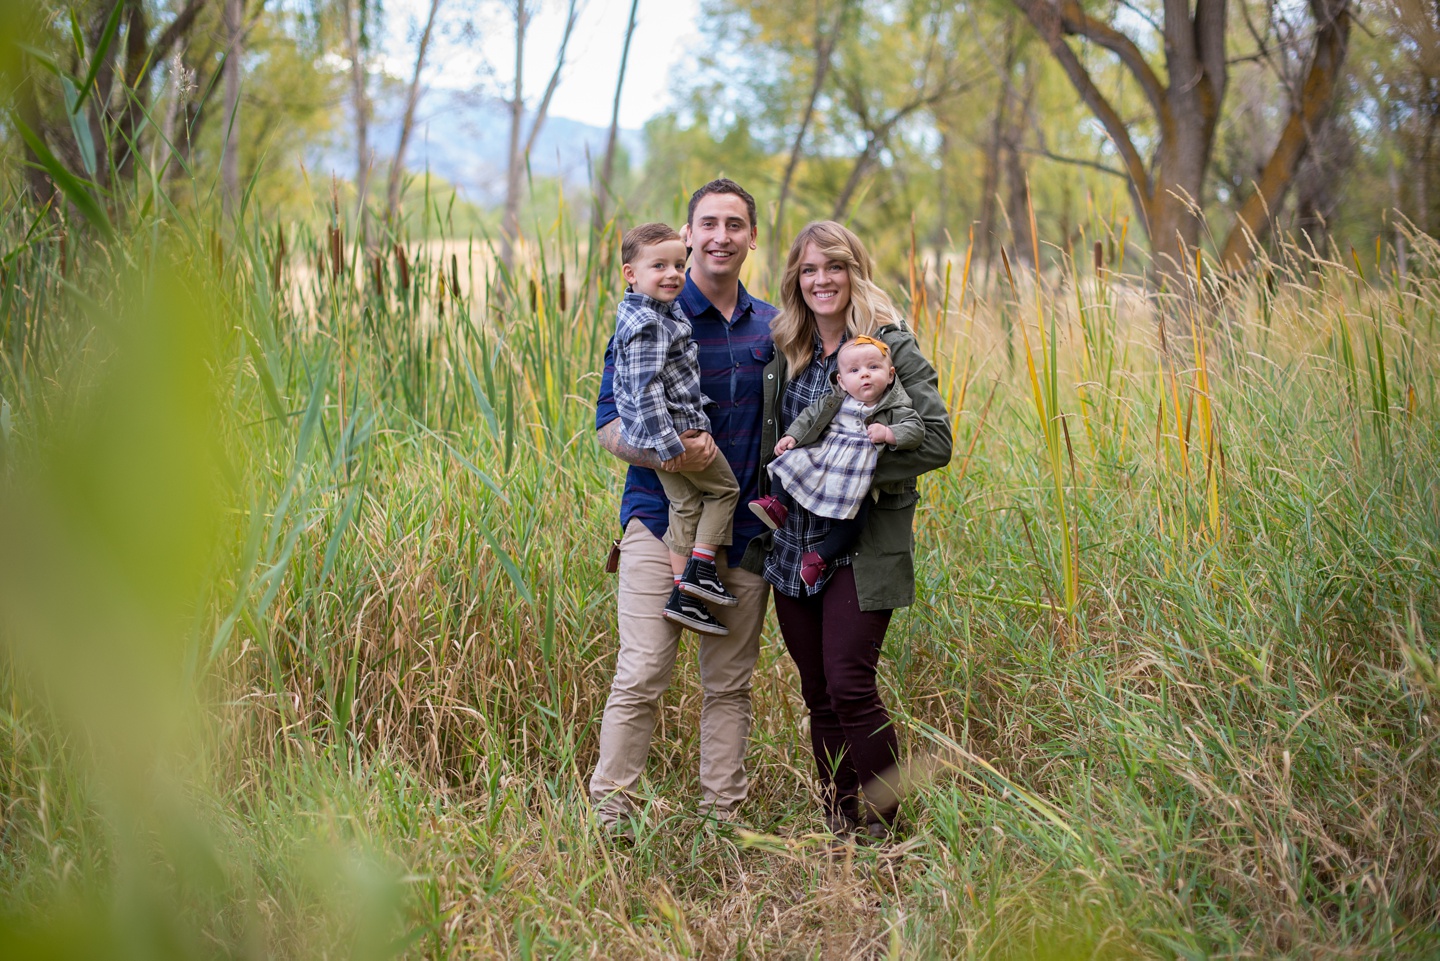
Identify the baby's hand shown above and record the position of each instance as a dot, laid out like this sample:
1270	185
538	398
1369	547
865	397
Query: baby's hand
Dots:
880	434
673	464
785	444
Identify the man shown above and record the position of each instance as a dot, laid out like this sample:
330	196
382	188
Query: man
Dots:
732	330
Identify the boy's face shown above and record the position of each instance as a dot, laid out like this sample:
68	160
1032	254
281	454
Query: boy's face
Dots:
658	271
721	235
865	373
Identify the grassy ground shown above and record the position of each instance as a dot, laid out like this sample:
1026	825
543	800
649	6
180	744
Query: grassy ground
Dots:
307	636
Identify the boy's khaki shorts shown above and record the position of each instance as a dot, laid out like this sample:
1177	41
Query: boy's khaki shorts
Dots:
702	506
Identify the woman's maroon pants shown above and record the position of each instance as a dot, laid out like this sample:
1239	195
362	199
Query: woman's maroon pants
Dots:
836	647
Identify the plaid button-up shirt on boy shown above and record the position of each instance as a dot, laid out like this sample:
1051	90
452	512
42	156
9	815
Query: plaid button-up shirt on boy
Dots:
657	377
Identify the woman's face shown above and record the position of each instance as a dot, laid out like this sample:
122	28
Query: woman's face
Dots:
824	285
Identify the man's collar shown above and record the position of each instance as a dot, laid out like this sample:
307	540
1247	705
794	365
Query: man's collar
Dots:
695	303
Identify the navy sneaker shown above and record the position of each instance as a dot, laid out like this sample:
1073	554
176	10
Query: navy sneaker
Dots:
693	614
701	580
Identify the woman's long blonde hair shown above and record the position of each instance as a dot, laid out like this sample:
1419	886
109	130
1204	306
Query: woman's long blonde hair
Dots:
870	308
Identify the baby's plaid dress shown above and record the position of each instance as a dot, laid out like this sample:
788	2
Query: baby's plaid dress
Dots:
831	478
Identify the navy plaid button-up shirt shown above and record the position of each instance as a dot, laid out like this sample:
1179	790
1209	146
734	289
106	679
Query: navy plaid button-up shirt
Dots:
732	356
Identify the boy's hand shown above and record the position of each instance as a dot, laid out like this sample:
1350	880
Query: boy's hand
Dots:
785	444
880	434
673	464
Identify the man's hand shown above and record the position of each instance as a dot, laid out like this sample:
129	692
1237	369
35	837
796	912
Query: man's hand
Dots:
880	434
785	444
700	450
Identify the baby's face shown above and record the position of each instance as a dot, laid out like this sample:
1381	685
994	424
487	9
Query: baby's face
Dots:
864	372
658	271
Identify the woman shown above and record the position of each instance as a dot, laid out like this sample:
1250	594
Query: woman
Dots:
834	630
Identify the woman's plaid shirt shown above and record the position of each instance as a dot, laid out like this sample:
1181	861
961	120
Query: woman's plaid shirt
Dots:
657	377
803	531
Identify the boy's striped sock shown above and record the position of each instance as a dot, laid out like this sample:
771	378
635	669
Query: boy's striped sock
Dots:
701	554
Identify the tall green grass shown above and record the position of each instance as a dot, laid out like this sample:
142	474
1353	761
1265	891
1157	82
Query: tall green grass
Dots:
313	638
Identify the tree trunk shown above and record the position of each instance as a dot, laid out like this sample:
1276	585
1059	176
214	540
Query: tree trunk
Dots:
510	226
1252	224
1401	265
37	181
607	170
510	223
824	51
354	29
990	179
1422	177
407	122
138	58
1321	179
1016	183
230	151
1168	192
99	95
942	195
857	173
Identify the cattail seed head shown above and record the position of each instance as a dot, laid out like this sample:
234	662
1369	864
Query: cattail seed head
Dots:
402	267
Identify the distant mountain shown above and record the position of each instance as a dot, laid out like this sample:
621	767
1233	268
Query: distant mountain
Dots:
463	137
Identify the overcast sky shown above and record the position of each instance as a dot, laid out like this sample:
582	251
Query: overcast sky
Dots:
665	29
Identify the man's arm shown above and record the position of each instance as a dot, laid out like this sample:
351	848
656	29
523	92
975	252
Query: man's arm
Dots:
700	448
610	438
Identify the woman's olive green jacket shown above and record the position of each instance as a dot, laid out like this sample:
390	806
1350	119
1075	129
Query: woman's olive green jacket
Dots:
883	560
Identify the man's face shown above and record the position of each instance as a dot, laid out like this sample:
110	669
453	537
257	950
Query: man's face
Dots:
721	236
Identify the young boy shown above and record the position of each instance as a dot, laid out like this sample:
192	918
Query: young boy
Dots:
657	394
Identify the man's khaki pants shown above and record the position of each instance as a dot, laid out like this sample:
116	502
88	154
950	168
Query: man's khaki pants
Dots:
648	645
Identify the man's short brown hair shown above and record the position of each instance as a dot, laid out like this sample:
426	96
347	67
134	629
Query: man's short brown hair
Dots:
722	185
646	235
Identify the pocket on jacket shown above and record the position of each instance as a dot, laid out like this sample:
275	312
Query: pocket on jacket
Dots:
889	530
895	500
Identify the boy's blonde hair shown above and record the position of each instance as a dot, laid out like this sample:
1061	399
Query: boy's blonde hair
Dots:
646	235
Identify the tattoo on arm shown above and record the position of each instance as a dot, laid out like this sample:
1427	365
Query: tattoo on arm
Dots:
610	439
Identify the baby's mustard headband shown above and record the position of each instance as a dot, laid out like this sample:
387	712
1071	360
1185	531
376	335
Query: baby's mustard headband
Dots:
861	339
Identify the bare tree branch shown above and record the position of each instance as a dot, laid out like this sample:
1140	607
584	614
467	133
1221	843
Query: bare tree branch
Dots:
1074	19
1252	223
407	121
825	38
1049	25
607	170
572	14
1076	161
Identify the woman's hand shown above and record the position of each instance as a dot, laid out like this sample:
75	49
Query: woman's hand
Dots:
880	434
785	444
